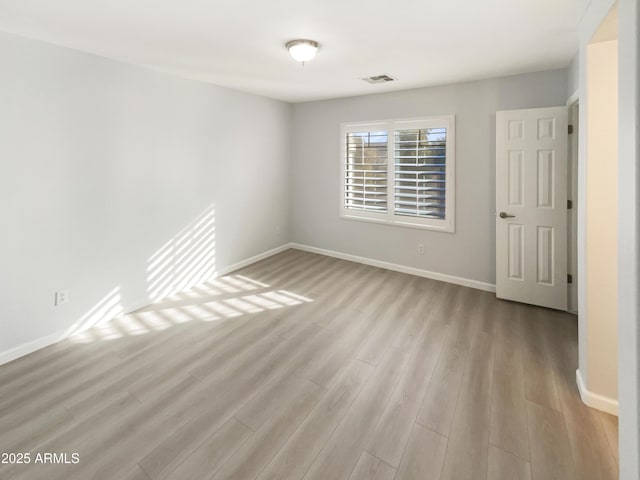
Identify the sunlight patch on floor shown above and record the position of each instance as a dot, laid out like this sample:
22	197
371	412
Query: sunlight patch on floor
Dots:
200	303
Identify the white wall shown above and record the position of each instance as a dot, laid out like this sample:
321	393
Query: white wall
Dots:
469	252
103	163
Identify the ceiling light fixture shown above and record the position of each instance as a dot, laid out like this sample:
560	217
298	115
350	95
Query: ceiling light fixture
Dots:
302	50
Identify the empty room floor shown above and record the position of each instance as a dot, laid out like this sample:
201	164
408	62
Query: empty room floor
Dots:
303	366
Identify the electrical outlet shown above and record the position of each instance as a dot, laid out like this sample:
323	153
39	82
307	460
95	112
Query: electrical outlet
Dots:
61	297
421	249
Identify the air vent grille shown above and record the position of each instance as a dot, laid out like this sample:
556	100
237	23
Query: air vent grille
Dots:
384	78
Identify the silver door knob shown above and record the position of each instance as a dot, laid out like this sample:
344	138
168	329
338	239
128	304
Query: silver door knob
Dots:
505	215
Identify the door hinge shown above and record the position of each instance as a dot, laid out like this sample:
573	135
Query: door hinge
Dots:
569	278
569	204
570	128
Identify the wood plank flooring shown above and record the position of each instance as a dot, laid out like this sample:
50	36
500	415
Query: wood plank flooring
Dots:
305	367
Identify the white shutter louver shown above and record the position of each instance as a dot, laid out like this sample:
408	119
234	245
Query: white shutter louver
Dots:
420	172
365	177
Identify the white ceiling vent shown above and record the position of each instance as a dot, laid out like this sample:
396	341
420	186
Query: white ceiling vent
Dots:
384	78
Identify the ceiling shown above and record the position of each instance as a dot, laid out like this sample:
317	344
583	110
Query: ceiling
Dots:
240	43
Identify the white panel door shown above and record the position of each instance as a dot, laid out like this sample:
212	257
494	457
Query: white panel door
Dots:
531	206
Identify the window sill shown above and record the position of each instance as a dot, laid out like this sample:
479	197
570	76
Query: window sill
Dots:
401	222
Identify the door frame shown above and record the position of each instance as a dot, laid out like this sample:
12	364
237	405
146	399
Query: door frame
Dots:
572	194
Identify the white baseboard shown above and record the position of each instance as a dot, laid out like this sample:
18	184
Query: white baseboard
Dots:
254	259
134	305
40	343
145	302
594	400
29	347
443	277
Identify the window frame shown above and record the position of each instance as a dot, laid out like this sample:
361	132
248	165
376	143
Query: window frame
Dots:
389	217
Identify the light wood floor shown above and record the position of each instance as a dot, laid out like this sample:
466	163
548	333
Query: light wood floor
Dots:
308	367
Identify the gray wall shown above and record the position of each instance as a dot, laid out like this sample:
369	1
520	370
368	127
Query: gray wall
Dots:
107	167
629	238
469	252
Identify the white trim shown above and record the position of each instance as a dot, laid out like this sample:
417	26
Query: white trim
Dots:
133	306
144	301
40	343
595	400
575	96
29	347
256	258
442	277
572	194
362	216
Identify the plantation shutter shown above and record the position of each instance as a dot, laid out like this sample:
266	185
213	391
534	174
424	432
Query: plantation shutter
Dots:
366	171
420	162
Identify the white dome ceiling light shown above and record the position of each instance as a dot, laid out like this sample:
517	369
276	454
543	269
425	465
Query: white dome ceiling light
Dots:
302	50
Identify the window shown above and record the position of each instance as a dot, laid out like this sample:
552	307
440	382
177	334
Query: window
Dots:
400	172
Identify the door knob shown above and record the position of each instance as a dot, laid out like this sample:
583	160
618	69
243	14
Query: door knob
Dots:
505	215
